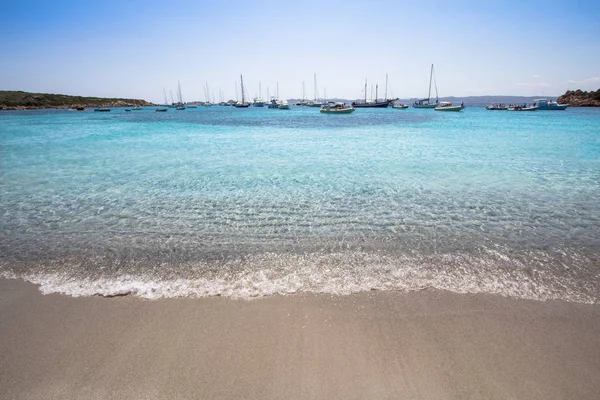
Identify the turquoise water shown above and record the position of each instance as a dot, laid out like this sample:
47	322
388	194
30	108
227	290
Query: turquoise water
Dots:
250	202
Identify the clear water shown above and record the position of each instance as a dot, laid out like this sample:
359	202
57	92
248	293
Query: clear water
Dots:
250	202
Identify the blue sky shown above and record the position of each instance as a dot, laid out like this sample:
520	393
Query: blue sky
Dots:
135	48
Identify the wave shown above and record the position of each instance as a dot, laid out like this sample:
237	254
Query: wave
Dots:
343	273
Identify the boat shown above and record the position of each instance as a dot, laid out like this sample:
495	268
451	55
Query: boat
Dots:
426	103
496	107
162	109
136	107
521	107
274	103
303	102
180	104
243	103
544	104
336	108
258	101
400	106
447	106
102	109
371	103
283	105
315	103
80	108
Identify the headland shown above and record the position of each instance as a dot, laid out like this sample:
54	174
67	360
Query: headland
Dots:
18	100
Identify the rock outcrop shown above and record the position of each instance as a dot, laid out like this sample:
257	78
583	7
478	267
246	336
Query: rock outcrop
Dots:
579	98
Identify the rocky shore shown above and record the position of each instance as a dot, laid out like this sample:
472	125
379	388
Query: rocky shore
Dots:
579	98
17	100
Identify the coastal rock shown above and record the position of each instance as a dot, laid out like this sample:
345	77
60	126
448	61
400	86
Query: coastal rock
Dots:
579	98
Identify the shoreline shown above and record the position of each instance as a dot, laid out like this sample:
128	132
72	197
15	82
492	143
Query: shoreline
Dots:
426	344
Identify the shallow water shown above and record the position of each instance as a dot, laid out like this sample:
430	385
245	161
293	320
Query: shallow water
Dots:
247	202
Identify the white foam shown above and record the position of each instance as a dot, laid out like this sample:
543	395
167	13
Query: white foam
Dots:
338	273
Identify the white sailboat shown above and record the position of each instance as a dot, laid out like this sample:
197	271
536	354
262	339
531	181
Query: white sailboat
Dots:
427	103
165	107
180	105
315	103
243	104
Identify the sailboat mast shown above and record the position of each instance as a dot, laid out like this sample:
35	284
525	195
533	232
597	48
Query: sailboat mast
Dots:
242	83
315	88
236	93
365	90
303	91
172	101
277	90
430	76
165	93
376	89
386	85
437	99
179	89
259	90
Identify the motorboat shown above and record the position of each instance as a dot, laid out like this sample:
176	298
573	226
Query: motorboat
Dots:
336	108
447	106
544	104
523	107
496	107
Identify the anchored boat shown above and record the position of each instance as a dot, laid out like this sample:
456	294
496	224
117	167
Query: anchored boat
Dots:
427	103
447	106
523	107
544	104
336	108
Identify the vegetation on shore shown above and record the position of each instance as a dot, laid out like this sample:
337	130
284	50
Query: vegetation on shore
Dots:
579	98
18	100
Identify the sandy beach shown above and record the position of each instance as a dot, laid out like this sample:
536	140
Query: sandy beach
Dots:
377	345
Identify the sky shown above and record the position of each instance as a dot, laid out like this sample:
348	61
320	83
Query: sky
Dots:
134	49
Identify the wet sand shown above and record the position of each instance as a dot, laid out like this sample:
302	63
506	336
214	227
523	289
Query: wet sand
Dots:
376	345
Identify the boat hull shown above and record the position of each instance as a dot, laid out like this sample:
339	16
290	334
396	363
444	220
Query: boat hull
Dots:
522	109
377	104
425	105
451	108
344	111
400	107
557	107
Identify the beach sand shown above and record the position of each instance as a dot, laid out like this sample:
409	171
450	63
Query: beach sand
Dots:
376	345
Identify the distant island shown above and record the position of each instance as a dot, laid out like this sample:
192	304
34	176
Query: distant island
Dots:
18	100
579	98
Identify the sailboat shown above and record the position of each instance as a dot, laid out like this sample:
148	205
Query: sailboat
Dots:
426	103
315	103
180	105
258	101
371	104
303	102
165	107
243	104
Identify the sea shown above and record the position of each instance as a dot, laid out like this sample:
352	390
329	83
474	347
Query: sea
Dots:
245	203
